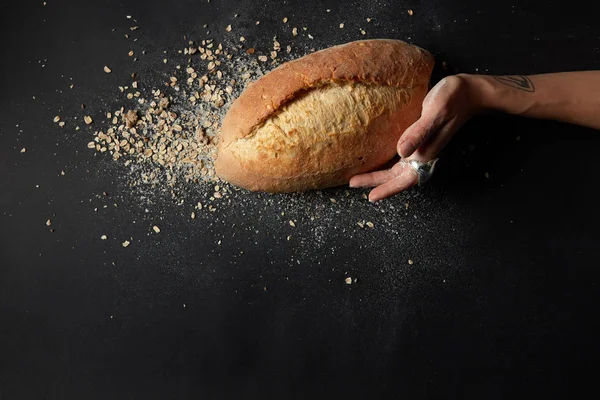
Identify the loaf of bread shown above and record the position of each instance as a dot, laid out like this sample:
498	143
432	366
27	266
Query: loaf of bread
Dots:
319	120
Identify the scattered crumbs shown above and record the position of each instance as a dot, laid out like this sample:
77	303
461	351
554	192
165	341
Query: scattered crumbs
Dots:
130	54
57	118
406	205
410	262
369	19
107	70
23	150
62	173
361	224
242	39
228	28
364	196
289	238
156	229
362	32
487	174
262	58
285	20
48	223
88	120
348	281
103	237
332	200
165	60
61	123
310	36
193	216
257	22
126	243
410	12
342	25
292	224
370	224
184	305
295	31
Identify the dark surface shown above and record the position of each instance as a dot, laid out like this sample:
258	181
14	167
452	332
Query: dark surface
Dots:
500	301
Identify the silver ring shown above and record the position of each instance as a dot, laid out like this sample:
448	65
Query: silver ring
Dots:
424	170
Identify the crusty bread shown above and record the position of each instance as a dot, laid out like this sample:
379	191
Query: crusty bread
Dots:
319	120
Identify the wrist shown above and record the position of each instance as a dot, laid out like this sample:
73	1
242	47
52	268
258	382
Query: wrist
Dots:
480	92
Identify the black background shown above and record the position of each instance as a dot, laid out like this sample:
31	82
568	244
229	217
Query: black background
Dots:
500	301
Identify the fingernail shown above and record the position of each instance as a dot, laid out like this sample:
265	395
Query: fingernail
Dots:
406	148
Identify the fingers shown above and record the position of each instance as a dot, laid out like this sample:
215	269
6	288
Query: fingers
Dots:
371	179
388	182
405	180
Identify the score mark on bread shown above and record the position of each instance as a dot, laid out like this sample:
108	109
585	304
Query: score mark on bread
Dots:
319	120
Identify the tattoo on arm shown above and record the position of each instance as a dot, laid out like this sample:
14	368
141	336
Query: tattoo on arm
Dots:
520	82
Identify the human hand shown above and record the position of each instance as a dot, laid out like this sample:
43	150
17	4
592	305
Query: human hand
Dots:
445	108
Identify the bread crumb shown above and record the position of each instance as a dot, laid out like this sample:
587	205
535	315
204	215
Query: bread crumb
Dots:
193	216
410	262
262	58
156	229
48	223
342	26
362	32
370	224
348	281
88	120
130	54
61	123
56	119
126	243
285	20
103	237
295	31
242	39
107	70
410	12
292	224
487	174
228	29
23	150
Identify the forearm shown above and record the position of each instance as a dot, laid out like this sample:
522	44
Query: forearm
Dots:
572	97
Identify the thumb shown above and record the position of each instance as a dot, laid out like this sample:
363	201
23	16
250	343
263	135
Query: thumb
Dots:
417	134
